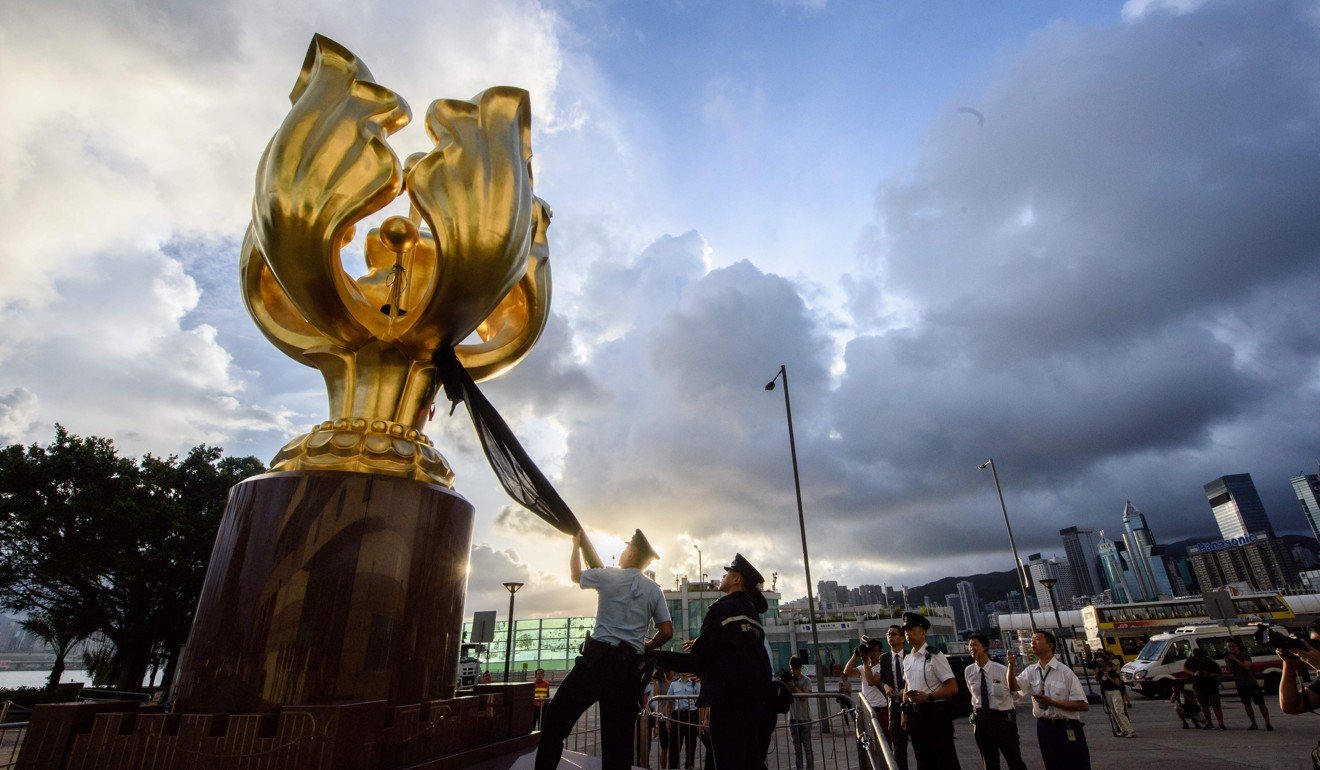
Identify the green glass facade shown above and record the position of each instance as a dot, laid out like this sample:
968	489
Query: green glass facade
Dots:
548	643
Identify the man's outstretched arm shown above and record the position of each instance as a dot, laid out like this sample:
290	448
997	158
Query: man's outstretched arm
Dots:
575	560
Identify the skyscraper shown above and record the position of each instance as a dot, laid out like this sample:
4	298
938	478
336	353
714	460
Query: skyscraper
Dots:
959	613
1307	487
1112	565
1056	568
1237	508
972	607
1082	548
1138	540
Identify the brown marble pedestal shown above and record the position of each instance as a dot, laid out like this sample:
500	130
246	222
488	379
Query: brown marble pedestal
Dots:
329	588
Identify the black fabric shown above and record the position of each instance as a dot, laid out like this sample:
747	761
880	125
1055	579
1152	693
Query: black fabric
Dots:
513	467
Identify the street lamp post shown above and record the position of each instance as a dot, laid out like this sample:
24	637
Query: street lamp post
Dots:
701	573
802	527
1049	582
1021	568
512	587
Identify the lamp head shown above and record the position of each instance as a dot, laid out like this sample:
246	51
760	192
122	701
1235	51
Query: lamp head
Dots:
770	385
513	587
1048	582
984	465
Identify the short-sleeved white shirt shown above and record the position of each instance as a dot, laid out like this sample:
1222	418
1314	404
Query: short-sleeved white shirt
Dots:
872	693
925	670
628	602
1055	680
996	686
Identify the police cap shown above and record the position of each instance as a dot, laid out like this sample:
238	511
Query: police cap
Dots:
751	577
915	620
642	547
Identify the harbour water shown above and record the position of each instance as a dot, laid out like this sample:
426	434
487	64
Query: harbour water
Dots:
11	679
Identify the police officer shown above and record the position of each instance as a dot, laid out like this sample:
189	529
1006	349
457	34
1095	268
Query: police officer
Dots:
929	681
731	657
611	668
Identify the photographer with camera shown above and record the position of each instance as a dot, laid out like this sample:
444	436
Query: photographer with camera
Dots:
799	714
1244	679
865	665
1294	699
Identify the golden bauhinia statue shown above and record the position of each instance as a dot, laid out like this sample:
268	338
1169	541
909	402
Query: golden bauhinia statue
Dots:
471	256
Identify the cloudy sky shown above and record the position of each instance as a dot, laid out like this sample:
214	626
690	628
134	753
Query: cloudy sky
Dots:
1079	237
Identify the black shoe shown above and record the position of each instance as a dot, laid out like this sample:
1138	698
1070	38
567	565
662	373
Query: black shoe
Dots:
1221	726
1184	725
1269	727
1207	726
1253	727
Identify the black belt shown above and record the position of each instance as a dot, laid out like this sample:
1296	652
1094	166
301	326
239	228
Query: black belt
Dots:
593	645
996	712
1057	720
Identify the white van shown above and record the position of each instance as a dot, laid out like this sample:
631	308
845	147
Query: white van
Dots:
1159	665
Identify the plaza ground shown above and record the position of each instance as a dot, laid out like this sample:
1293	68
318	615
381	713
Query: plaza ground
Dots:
1160	741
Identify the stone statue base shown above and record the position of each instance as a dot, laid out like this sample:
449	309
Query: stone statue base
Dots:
329	588
451	734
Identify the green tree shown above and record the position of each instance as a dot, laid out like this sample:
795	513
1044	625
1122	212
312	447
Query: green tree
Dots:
121	544
61	629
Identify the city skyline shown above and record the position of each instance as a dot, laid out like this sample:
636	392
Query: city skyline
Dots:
1063	235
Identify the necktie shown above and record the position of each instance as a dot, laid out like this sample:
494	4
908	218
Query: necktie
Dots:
985	691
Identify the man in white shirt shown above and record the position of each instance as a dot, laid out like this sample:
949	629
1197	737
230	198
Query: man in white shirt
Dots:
865	665
611	667
685	720
1057	702
929	682
994	718
891	673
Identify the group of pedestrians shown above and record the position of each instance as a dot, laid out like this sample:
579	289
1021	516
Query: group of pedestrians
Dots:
672	720
912	696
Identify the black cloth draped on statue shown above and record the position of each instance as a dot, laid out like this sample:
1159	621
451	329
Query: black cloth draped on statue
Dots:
517	473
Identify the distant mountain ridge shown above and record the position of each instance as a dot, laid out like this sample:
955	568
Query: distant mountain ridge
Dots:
992	586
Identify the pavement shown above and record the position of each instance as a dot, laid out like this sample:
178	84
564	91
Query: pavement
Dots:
1160	740
1160	743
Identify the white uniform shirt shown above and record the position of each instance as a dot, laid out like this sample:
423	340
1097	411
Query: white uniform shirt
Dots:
996	684
872	693
628	602
680	688
925	669
1055	680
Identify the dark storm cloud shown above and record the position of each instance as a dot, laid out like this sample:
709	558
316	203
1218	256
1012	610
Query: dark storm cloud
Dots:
1115	280
1109	287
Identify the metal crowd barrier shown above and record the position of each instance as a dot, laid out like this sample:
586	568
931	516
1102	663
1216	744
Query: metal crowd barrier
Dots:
872	746
834	738
11	737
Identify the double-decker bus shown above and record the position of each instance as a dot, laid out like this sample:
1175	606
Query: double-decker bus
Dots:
1123	629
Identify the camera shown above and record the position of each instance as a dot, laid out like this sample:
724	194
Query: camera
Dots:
1268	637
